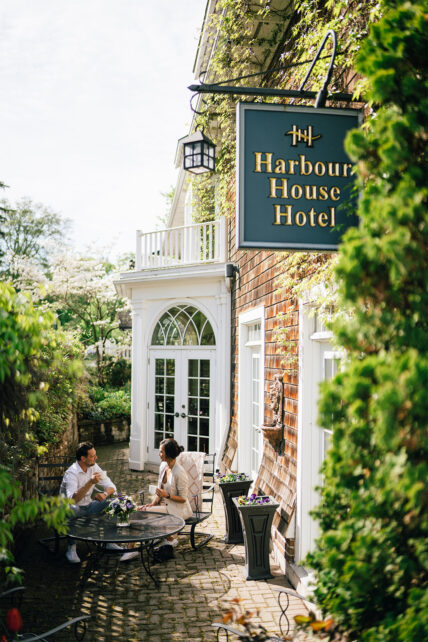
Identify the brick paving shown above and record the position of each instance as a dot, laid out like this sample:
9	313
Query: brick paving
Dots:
195	587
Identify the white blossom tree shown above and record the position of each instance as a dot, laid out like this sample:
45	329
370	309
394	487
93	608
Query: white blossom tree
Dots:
29	232
83	288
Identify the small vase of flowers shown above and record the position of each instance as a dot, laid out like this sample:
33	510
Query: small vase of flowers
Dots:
121	507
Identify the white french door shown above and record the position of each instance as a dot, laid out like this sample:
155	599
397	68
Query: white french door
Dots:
181	398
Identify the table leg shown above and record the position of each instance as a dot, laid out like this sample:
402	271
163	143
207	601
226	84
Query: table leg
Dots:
93	563
147	548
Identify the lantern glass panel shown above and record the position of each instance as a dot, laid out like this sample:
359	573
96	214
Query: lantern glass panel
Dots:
199	156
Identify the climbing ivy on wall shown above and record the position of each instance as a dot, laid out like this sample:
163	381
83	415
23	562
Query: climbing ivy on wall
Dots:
238	50
298	31
293	41
242	48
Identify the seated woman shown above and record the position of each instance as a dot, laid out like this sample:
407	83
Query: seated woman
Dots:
171	493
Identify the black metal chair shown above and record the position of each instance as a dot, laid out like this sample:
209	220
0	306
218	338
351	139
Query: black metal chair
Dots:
50	472
284	594
204	503
14	596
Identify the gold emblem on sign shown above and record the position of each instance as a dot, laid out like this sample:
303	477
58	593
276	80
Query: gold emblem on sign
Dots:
302	136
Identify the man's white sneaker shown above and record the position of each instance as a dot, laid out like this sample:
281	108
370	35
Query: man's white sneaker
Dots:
114	547
167	542
129	556
72	556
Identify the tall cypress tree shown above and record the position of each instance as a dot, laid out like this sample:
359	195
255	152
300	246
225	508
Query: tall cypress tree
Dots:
372	555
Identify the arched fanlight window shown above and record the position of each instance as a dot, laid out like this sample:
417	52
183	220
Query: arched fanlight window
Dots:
183	325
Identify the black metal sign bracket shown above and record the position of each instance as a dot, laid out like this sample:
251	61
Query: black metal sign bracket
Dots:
322	94
320	97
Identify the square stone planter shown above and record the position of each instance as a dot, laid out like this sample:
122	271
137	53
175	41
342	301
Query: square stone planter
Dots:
229	490
256	521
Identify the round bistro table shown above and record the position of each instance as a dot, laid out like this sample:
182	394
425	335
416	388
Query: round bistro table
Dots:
145	529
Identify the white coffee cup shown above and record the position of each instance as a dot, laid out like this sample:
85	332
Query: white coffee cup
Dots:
103	475
152	489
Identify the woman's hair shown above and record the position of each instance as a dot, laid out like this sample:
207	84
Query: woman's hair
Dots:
171	448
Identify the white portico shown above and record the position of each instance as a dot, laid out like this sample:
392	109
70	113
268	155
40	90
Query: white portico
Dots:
180	340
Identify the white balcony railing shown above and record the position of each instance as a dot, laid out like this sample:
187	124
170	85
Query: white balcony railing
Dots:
197	243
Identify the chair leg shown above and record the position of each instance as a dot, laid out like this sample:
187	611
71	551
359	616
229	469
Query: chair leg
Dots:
45	541
192	538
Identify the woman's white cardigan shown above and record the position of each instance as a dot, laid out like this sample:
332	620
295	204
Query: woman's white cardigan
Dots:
177	484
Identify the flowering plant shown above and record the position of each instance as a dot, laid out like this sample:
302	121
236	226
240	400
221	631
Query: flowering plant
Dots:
13	623
252	632
253	500
120	507
231	477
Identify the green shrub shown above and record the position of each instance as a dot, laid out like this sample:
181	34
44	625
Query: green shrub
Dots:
103	404
39	371
63	374
372	555
15	510
118	373
116	403
30	348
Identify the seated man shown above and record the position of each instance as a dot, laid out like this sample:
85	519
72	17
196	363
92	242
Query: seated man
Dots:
78	485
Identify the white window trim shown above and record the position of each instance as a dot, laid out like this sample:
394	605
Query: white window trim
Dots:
312	348
325	335
307	497
250	344
255	315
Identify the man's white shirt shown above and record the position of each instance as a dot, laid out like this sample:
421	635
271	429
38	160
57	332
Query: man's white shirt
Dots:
75	478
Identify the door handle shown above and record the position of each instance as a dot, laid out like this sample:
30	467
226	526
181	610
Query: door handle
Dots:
177	414
183	414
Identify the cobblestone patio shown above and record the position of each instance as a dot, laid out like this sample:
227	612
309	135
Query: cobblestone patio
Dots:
195	587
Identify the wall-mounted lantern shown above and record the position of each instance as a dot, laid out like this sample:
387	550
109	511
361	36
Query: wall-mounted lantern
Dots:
198	153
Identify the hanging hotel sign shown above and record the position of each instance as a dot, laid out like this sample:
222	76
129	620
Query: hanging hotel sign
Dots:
295	184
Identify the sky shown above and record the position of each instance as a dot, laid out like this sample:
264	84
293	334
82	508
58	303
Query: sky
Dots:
93	100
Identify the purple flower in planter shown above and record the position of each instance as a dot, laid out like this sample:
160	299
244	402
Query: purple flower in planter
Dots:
231	477
253	500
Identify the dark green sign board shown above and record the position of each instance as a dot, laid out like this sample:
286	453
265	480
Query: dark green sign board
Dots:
295	188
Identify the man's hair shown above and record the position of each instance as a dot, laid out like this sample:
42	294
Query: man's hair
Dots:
83	448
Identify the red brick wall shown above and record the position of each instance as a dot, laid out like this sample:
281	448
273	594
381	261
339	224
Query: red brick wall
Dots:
257	286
